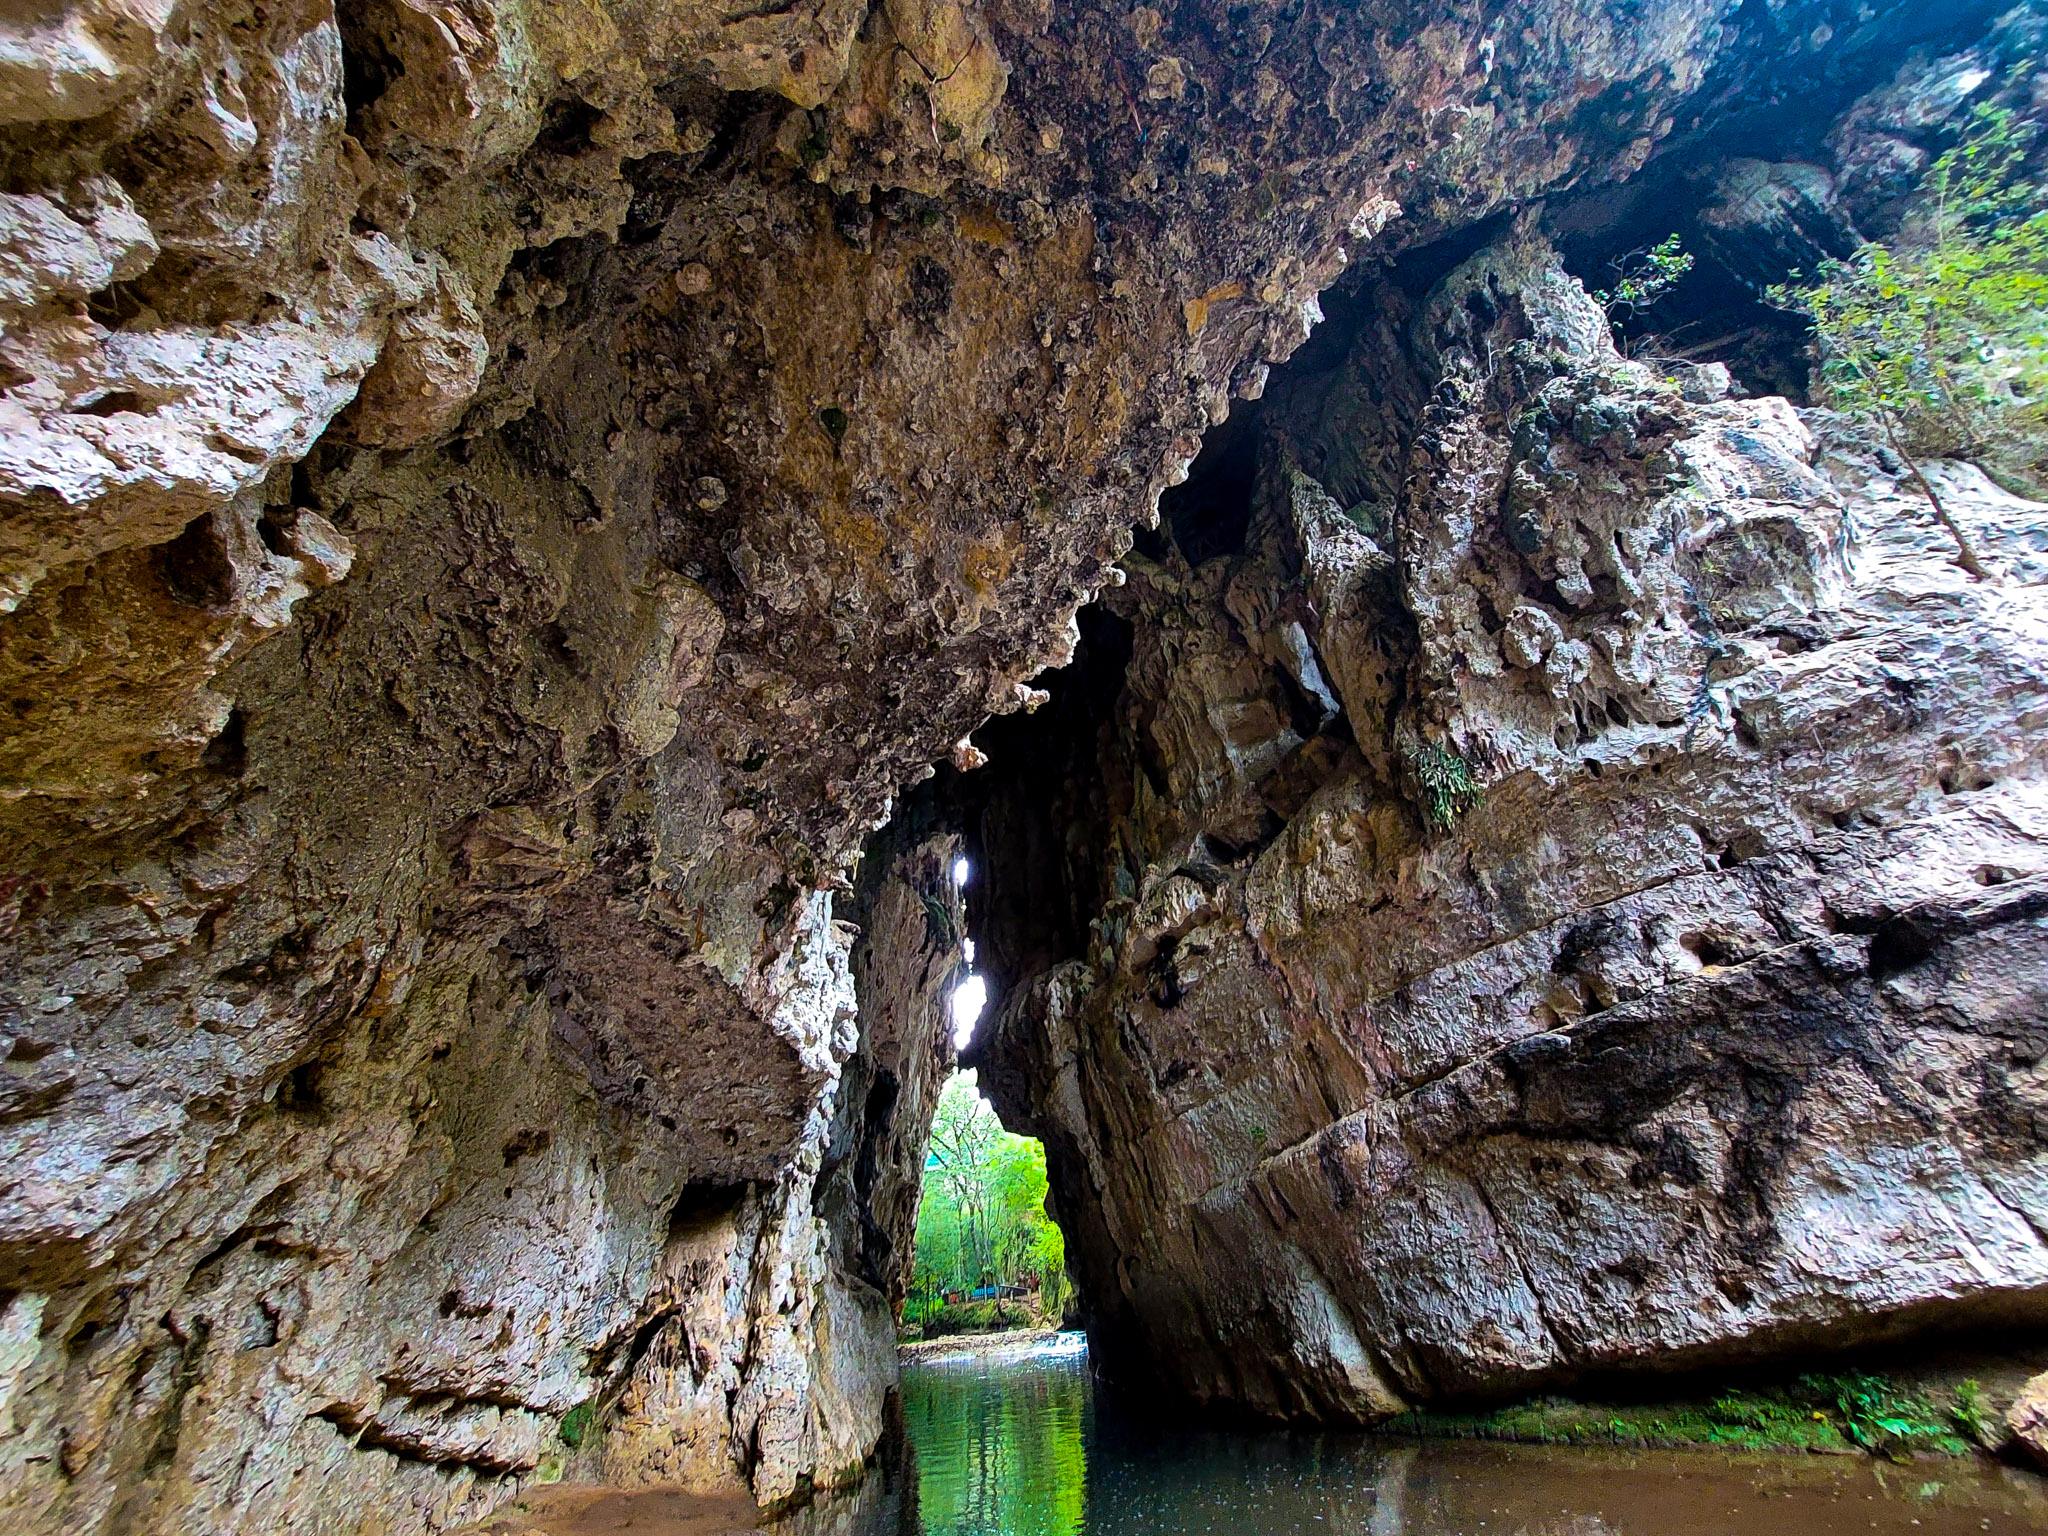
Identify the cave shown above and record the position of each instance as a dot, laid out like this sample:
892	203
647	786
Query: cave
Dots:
1506	818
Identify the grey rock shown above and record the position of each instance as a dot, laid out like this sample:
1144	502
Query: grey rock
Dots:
433	1012
1657	1006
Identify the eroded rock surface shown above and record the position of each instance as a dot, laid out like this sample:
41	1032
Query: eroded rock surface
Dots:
496	503
1568	893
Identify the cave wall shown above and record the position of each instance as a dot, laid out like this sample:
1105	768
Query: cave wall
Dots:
1565	878
496	502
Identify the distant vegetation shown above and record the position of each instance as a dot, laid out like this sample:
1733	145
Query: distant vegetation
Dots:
988	1256
1939	338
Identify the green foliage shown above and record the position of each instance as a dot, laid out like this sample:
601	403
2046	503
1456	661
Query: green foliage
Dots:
982	1220
1644	277
1884	1418
1814	1413
1448	788
1940	338
1972	1413
576	1425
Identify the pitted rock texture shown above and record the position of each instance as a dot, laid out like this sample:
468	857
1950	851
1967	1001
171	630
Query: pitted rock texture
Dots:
496	503
1567	892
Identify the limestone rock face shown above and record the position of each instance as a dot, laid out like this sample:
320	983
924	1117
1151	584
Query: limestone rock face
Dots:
1565	893
498	501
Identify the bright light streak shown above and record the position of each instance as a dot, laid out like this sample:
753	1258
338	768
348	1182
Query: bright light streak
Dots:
968	1000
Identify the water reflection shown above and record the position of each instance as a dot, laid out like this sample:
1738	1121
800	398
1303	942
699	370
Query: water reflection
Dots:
1015	1444
997	1440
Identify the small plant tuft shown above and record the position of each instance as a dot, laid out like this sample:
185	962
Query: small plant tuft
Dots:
576	1425
1971	1412
1448	788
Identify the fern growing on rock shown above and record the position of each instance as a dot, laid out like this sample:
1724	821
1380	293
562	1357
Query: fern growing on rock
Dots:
1448	788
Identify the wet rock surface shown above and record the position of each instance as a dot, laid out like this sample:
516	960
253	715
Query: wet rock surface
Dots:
496	505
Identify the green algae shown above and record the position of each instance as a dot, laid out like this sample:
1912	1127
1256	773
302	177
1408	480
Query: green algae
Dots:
1824	1414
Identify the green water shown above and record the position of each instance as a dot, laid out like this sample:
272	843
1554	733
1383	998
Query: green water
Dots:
1017	1444
997	1441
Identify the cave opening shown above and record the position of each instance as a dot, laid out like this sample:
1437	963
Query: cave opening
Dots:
988	1255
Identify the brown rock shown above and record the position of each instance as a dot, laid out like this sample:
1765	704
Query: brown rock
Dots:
2027	1419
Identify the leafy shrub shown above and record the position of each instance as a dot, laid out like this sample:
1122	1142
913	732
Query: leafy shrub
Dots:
1642	278
1940	339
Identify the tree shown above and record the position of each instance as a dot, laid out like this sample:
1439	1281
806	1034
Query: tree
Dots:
964	1135
1030	1245
1940	338
982	1220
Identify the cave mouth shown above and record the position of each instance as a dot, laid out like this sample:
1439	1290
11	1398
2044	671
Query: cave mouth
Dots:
988	1256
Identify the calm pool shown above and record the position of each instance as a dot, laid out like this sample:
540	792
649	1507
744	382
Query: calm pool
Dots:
1017	1444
